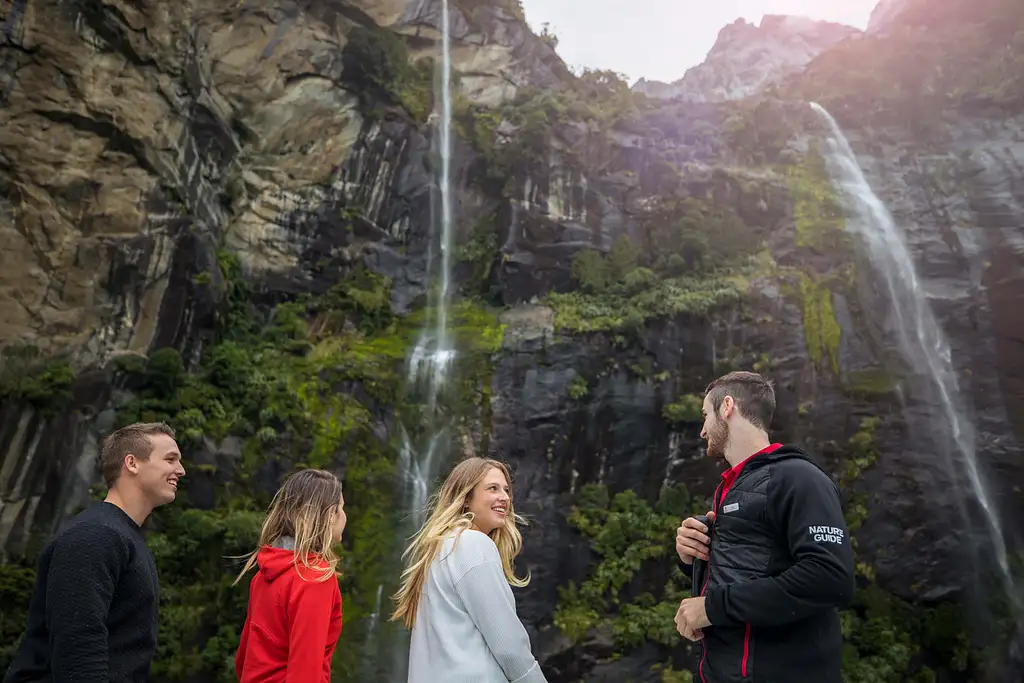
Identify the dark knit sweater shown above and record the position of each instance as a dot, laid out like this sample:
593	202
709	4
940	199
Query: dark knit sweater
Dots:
92	617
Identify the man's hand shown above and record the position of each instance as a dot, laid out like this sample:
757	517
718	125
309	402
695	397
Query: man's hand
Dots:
691	618
692	539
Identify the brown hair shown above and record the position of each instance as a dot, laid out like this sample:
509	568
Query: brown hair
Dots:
754	396
448	513
131	440
304	509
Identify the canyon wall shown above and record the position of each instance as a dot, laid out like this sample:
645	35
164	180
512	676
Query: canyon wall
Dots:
219	214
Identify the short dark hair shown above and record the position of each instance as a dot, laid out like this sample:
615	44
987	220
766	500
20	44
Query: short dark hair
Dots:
754	396
134	440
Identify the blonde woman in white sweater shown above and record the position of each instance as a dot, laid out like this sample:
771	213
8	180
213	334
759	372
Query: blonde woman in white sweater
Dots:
455	593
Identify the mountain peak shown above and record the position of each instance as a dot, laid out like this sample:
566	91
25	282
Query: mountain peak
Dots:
747	57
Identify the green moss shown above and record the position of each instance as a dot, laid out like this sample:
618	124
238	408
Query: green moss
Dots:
43	383
578	388
822	333
875	382
16	582
818	213
480	250
861	454
671	675
619	310
687	409
630	536
377	60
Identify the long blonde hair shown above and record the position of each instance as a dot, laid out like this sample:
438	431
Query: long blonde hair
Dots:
449	512
303	508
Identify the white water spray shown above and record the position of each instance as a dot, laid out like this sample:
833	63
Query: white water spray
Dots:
423	450
434	353
921	339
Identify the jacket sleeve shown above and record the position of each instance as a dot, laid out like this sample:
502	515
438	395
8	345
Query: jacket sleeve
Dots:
805	509
488	599
480	582
243	641
310	609
83	574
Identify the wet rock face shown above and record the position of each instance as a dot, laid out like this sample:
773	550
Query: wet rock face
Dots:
959	203
141	140
138	139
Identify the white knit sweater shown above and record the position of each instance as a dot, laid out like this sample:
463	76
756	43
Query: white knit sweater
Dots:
466	629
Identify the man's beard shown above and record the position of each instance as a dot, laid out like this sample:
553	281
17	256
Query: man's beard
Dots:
718	439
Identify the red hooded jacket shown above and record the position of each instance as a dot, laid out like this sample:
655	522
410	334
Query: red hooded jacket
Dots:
292	625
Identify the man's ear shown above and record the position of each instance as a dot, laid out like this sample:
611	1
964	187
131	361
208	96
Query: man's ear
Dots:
728	406
131	463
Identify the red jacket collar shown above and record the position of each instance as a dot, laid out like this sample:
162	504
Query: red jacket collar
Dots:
729	476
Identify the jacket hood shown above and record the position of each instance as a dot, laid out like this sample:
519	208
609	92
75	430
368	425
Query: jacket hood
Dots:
273	562
783	452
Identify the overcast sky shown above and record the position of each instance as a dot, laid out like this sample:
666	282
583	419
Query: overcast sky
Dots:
660	39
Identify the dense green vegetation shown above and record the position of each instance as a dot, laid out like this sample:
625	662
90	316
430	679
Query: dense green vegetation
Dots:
16	581
376	61
635	584
26	377
302	383
518	137
691	258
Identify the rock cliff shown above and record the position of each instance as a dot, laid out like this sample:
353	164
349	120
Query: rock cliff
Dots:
884	13
747	58
221	215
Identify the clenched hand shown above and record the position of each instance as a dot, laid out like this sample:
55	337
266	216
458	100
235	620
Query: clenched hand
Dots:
691	617
692	539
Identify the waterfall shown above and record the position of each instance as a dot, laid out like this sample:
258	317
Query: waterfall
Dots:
921	340
426	436
434	354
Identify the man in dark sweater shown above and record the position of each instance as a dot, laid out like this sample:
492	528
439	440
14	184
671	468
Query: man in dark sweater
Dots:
93	613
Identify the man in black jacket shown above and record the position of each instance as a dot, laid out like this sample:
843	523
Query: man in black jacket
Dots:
93	613
776	563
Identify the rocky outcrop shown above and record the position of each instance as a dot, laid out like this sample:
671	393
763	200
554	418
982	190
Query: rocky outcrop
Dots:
137	141
884	13
747	58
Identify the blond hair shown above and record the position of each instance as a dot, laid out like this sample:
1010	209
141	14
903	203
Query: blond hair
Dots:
133	439
303	508
449	513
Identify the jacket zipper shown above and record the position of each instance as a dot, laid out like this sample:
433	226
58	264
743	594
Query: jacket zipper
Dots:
746	650
707	578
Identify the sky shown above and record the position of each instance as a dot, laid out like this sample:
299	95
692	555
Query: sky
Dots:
660	39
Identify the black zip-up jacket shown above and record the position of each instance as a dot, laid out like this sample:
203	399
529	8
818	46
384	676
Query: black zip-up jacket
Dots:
780	565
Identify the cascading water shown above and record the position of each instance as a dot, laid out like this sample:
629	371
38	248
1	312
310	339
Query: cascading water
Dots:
434	352
921	340
425	434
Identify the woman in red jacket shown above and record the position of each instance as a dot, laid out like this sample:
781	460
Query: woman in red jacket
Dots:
294	616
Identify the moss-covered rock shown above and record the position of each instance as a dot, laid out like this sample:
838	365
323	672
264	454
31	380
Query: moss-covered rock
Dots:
629	536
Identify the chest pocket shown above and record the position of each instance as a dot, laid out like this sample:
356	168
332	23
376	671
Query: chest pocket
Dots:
743	539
